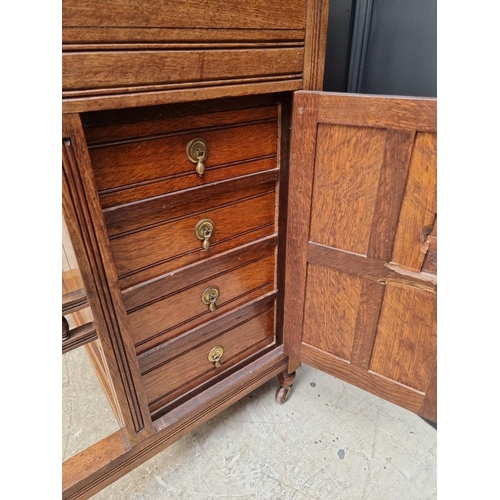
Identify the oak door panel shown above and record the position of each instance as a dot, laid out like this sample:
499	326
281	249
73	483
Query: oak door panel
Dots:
359	303
405	346
331	305
345	185
418	209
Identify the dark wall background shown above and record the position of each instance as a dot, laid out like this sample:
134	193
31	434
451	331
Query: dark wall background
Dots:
382	47
338	44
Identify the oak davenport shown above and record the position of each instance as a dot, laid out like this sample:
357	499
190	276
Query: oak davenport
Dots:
228	221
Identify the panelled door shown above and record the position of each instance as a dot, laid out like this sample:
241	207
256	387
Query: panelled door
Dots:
360	298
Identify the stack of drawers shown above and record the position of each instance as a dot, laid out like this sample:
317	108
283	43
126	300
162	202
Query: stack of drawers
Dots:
194	242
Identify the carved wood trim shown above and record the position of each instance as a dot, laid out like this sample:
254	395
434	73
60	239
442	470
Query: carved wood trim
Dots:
359	265
87	231
73	301
79	336
315	44
299	208
390	390
208	90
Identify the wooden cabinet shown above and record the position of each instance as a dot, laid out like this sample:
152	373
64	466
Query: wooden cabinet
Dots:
223	241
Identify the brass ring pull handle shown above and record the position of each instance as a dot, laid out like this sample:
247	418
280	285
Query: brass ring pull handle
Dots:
204	230
215	355
197	152
210	296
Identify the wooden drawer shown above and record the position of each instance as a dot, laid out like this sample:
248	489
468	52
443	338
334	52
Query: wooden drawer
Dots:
163	247
147	69
185	363
134	161
171	47
192	14
242	277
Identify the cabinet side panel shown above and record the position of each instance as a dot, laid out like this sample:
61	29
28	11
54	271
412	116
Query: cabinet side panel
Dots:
87	231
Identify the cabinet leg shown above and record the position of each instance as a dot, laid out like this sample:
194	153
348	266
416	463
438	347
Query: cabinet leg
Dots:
286	382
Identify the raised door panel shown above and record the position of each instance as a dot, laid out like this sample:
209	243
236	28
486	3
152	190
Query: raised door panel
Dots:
360	299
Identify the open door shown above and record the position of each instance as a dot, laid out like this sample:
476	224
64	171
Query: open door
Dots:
360	298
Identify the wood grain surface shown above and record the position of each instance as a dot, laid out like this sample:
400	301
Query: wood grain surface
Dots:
162	248
167	284
360	110
90	37
258	14
348	163
369	304
181	93
86	229
406	342
249	336
419	208
147	68
391	184
369	310
145	160
181	310
131	217
154	358
302	154
385	388
156	121
315	43
331	308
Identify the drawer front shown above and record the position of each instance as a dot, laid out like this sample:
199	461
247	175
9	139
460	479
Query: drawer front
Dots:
186	369
166	247
181	310
151	159
257	14
132	217
145	158
134	70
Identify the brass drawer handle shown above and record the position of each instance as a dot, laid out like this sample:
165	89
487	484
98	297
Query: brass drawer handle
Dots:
204	230
210	296
197	152
215	355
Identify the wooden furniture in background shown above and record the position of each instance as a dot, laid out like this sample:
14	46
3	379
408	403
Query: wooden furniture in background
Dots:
206	272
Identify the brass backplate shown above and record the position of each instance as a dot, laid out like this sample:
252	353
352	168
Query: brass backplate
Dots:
204	229
215	355
197	149
210	296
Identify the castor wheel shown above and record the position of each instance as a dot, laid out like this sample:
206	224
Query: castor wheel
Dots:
282	394
286	381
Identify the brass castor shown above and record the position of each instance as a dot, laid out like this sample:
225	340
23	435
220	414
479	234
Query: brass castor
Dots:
282	394
286	382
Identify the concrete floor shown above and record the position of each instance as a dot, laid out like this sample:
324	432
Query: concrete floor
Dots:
329	441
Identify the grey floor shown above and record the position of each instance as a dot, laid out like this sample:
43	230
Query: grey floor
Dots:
329	441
